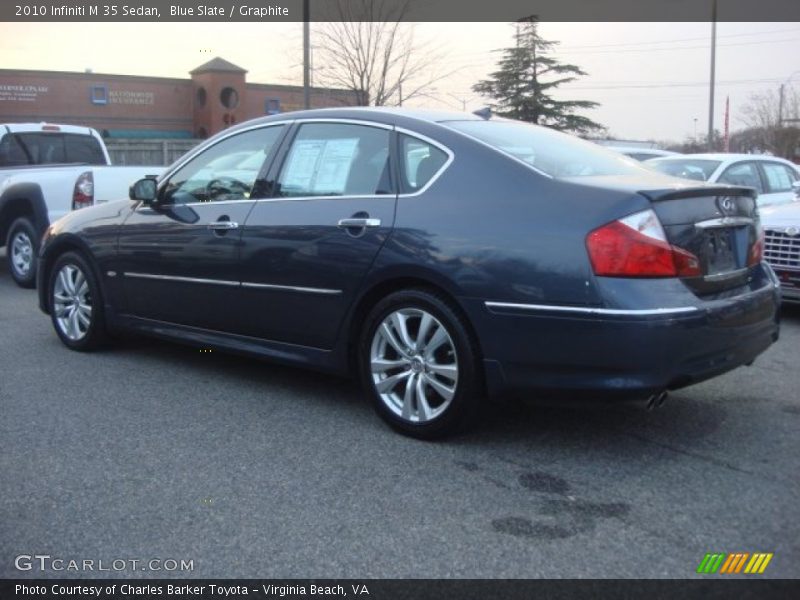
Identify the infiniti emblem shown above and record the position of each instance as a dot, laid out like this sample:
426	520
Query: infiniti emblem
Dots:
792	231
726	205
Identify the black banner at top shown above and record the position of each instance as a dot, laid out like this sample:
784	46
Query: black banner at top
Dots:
397	10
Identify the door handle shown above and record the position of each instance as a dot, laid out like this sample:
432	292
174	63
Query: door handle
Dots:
358	223
223	225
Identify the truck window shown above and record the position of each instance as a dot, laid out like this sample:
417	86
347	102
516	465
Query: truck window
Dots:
11	153
84	149
43	148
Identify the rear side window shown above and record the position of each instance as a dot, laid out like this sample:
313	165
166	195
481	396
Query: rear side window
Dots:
83	149
420	162
779	177
745	173
11	152
336	159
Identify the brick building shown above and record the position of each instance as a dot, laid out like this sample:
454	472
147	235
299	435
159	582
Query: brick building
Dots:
216	96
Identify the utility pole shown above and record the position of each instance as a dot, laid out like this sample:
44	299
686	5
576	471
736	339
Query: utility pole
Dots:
780	106
306	56
713	68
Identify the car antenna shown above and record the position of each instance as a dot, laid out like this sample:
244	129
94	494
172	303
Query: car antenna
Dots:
484	113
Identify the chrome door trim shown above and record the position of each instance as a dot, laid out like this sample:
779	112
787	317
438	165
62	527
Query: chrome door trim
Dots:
290	288
348	223
376	124
179	278
222	225
592	310
724	222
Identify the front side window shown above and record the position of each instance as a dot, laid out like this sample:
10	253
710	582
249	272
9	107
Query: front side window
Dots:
745	174
779	177
420	162
336	159
227	170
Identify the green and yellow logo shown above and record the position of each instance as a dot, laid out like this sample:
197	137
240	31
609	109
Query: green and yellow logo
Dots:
728	564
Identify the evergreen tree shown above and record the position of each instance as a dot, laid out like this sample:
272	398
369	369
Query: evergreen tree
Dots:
522	87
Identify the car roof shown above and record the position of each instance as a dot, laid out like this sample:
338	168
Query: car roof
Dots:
44	127
381	114
728	157
638	150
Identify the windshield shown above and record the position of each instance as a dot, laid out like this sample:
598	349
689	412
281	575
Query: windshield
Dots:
698	169
555	153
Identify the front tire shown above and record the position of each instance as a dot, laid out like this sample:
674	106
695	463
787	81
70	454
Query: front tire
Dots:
419	364
21	250
76	303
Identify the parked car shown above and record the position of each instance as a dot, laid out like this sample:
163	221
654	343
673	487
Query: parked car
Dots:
771	177
643	154
781	226
35	189
443	257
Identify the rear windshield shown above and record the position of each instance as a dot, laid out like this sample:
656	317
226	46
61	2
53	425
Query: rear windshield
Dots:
50	148
699	169
555	153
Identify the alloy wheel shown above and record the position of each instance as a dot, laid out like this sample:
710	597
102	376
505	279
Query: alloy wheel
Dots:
414	365
22	253
72	302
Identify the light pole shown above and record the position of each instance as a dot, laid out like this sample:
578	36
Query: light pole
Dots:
780	98
695	130
710	140
306	56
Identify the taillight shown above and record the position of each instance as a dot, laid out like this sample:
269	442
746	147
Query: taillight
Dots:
636	246
83	193
756	253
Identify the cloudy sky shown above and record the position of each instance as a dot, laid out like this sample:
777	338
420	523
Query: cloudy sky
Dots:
651	79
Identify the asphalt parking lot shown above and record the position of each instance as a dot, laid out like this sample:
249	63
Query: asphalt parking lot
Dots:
152	450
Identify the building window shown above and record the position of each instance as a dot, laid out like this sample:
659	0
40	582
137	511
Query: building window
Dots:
229	98
272	106
98	94
200	97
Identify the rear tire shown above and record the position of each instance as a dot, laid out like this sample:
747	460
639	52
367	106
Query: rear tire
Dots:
419	364
22	247
76	303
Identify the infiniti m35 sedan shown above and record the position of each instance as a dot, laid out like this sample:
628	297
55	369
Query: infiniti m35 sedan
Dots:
443	257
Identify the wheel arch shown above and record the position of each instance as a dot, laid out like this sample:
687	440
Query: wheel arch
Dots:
61	245
20	200
393	281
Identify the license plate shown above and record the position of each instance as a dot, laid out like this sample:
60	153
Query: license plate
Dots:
720	251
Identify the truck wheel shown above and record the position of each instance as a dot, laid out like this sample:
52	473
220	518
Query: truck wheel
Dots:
22	247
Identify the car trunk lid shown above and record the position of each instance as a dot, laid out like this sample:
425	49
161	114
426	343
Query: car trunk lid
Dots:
717	224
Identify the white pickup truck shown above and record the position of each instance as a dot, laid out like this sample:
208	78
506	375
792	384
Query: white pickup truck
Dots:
47	170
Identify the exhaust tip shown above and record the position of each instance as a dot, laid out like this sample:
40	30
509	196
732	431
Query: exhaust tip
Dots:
657	400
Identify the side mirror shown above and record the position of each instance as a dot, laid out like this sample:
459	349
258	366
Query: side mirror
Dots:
796	189
144	190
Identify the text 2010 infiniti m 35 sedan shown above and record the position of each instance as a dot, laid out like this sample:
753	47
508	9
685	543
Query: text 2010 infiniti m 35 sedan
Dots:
444	257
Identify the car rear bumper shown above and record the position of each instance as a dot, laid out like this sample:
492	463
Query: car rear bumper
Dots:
625	353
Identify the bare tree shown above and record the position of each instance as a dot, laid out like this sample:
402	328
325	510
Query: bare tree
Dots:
370	51
773	124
